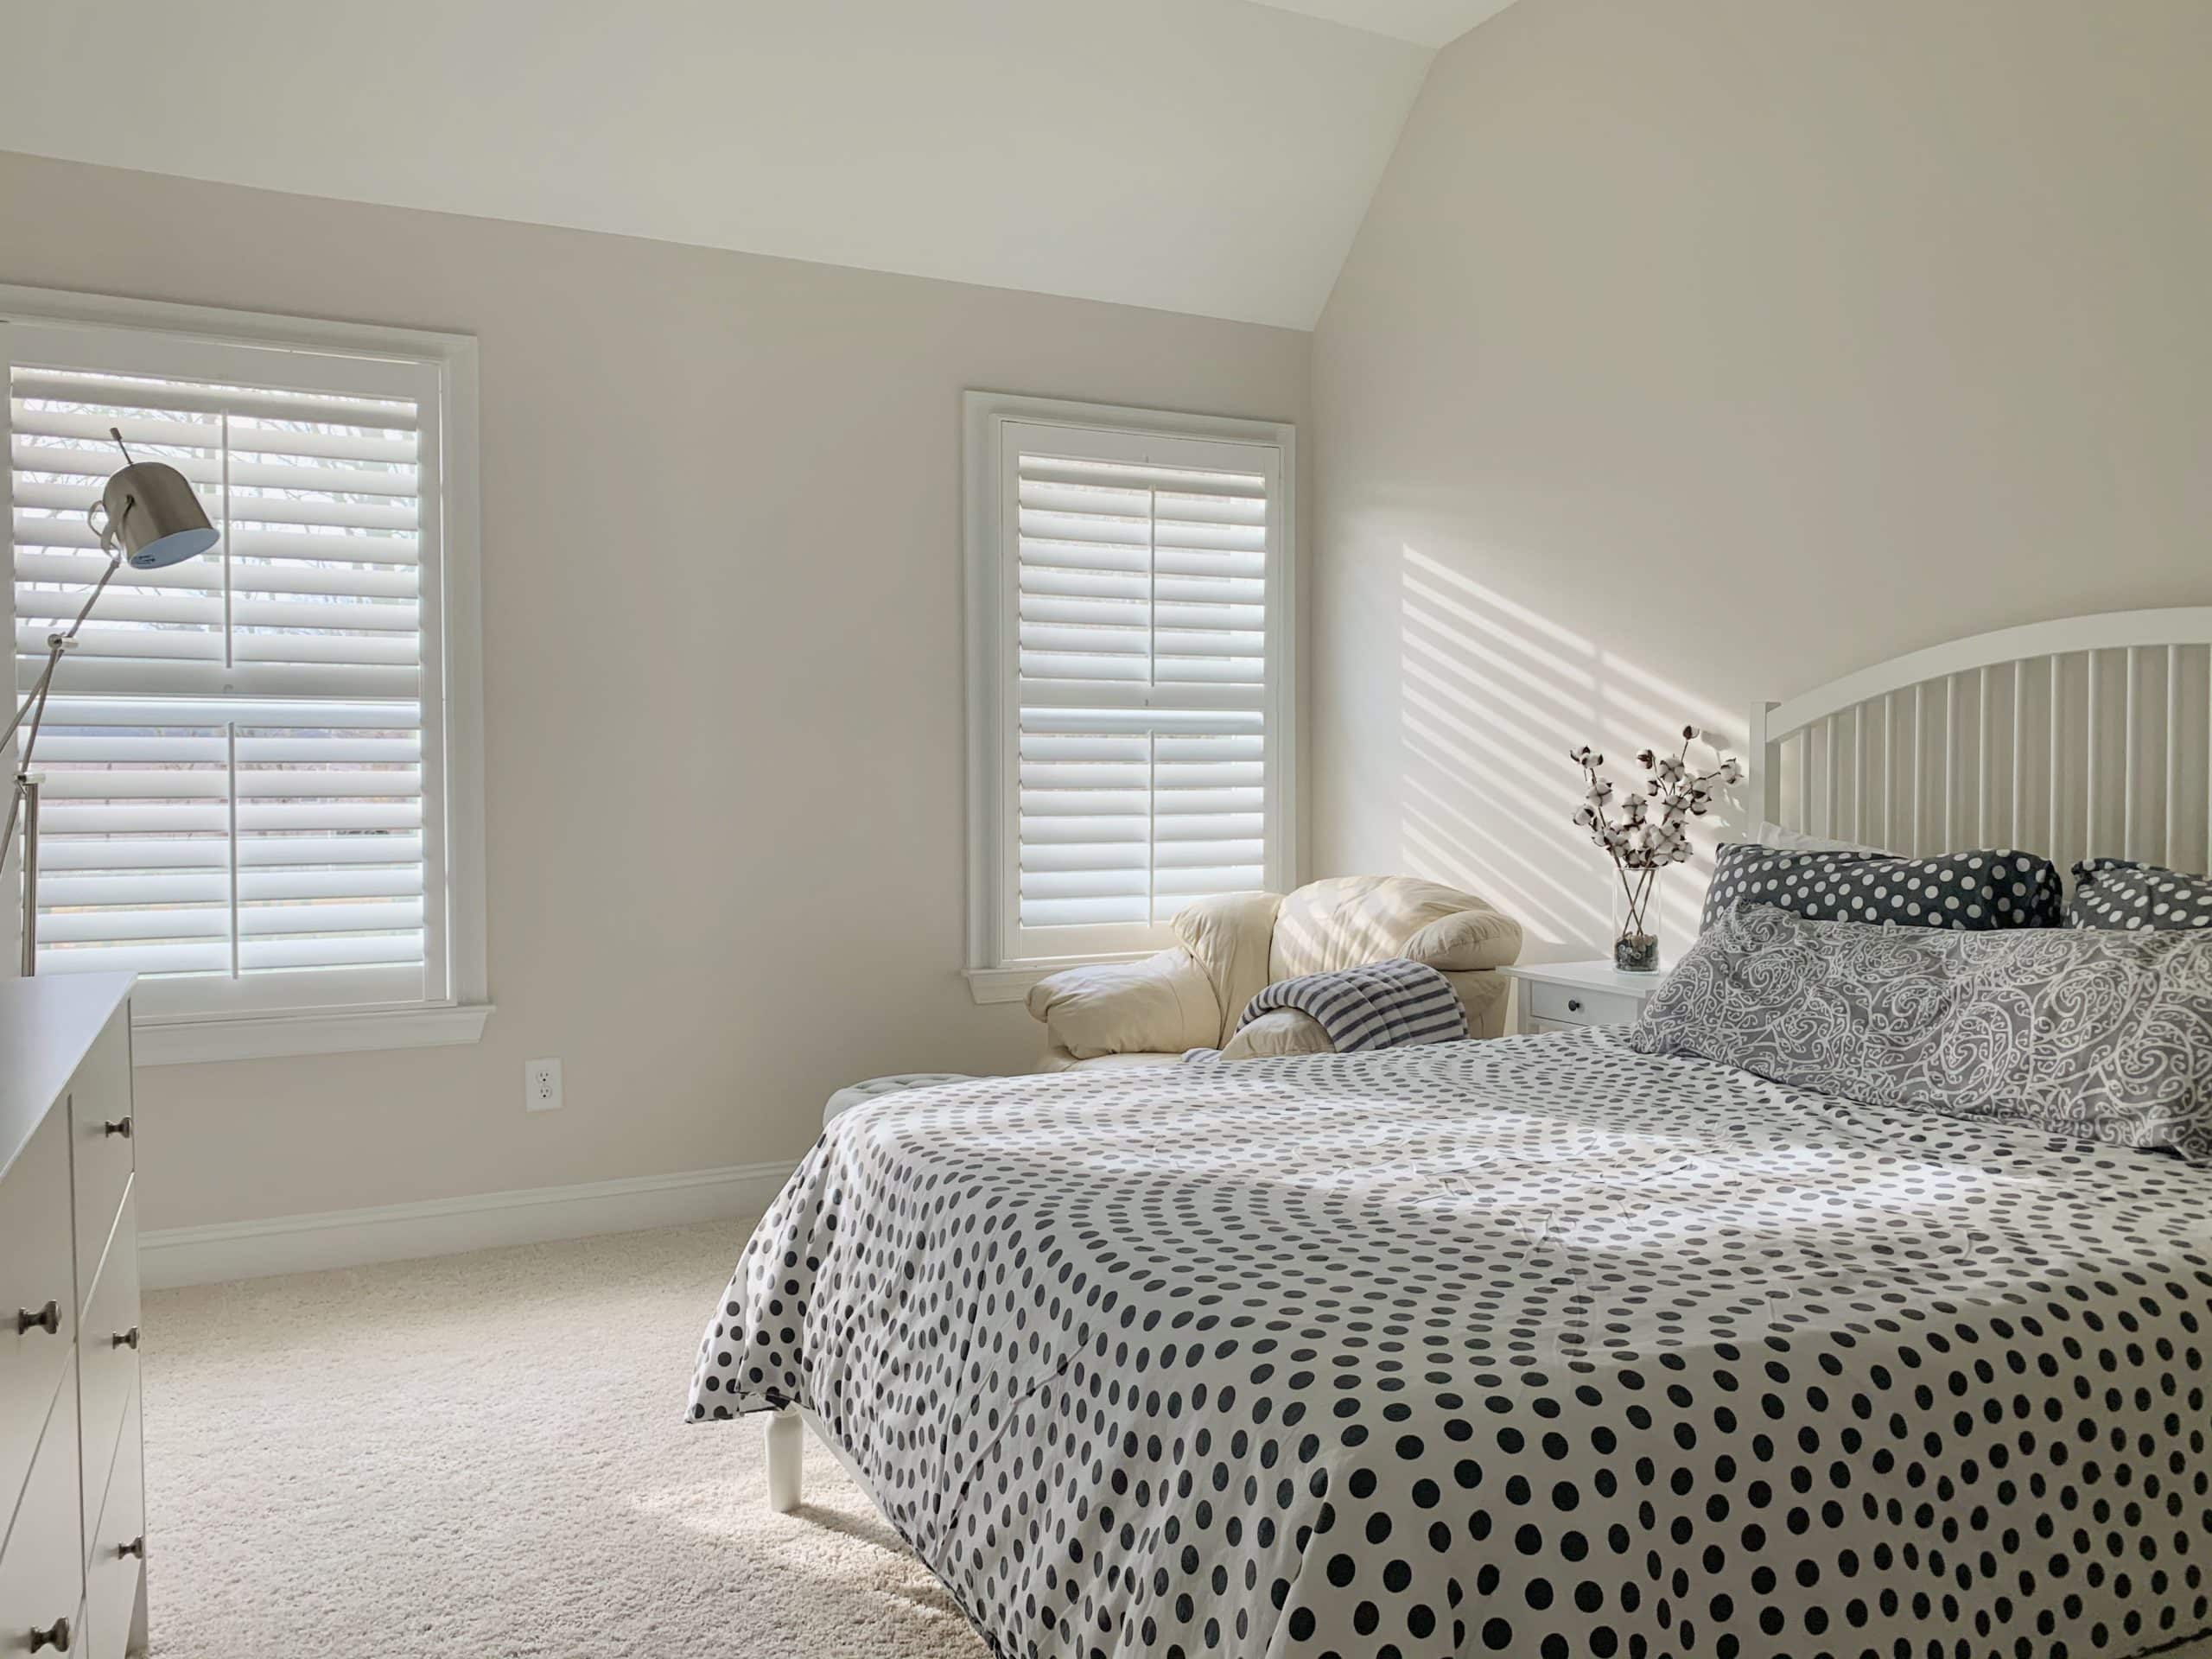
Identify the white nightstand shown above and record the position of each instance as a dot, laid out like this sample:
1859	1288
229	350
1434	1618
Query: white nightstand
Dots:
1561	995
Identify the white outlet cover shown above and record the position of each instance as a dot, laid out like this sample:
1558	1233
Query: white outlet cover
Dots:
541	1085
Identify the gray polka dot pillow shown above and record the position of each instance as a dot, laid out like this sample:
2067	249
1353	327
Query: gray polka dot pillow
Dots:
2114	895
1977	892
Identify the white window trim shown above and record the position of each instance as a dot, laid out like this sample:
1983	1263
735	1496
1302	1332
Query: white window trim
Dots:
990	978
458	1017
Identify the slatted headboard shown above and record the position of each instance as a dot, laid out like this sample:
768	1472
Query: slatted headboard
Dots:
2090	736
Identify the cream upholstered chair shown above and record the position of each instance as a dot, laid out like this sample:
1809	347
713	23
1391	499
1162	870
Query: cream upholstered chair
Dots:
1192	995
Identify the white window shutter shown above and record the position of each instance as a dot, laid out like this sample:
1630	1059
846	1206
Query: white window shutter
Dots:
239	802
1137	573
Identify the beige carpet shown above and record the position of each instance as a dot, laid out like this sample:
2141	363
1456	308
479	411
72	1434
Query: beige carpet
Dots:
484	1455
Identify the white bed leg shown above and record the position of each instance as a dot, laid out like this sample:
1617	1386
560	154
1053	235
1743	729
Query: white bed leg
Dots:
786	1438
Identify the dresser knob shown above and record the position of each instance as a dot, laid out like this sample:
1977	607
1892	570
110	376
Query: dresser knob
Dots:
1574	1005
47	1318
117	1126
136	1546
124	1339
56	1636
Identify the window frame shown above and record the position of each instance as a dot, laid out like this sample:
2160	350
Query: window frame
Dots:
452	695
993	973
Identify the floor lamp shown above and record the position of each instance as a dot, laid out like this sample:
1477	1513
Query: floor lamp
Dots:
149	515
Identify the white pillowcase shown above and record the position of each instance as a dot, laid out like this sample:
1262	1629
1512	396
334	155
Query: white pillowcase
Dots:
1794	841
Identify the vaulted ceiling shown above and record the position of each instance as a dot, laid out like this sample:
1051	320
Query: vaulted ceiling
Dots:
1206	156
1427	23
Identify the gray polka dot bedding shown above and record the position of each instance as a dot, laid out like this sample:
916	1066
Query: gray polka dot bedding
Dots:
1540	1347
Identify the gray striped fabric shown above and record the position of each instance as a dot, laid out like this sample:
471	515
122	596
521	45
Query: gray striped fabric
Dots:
1375	1005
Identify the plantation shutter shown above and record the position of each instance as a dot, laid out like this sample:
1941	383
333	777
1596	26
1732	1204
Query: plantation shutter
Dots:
1142	676
240	797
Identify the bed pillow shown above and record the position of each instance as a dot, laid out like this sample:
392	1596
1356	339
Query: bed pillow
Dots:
2112	892
1976	891
1796	840
2093	1036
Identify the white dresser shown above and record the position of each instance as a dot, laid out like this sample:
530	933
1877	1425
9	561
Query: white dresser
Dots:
72	1495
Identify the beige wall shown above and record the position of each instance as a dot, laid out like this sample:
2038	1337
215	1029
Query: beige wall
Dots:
767	453
1697	352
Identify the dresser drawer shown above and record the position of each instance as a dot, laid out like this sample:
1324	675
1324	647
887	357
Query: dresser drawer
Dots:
103	1140
118	1548
108	1351
42	1563
35	1270
1569	1005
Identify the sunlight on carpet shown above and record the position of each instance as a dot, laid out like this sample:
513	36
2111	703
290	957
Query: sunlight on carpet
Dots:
486	1455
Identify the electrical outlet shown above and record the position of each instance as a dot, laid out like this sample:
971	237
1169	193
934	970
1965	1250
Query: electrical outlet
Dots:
541	1085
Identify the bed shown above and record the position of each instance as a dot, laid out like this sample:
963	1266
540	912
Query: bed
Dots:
1540	1346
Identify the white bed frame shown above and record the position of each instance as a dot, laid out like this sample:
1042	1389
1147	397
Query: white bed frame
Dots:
2087	737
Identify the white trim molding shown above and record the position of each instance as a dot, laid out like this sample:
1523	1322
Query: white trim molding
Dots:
1000	964
187	1041
403	1232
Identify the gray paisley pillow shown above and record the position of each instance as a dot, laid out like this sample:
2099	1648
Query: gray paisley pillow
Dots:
2094	1036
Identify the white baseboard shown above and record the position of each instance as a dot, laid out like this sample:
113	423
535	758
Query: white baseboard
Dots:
398	1232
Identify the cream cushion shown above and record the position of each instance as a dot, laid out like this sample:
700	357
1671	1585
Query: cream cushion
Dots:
1349	919
1163	1004
1150	1012
1279	1030
1228	937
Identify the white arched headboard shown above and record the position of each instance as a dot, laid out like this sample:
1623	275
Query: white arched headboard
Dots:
2089	736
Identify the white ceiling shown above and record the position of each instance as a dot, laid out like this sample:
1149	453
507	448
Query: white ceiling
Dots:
1427	23
1205	156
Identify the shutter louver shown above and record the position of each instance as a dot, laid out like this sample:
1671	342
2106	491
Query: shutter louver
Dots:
1139	694
232	758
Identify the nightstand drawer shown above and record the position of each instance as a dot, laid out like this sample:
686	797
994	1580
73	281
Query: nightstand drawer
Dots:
1571	1006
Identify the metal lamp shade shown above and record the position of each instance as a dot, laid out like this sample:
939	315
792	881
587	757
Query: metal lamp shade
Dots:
151	510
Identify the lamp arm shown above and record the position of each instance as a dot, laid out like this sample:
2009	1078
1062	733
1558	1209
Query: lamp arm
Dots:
114	564
33	706
56	644
31	699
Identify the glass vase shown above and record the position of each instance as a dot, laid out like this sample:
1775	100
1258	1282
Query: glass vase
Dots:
1635	919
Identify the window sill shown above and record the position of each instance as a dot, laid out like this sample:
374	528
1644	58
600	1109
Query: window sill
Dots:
172	1040
1012	983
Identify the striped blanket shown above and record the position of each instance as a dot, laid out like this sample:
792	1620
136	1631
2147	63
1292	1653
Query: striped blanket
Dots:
1375	1005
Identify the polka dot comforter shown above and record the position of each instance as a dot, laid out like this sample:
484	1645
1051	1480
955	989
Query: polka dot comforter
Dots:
1537	1347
